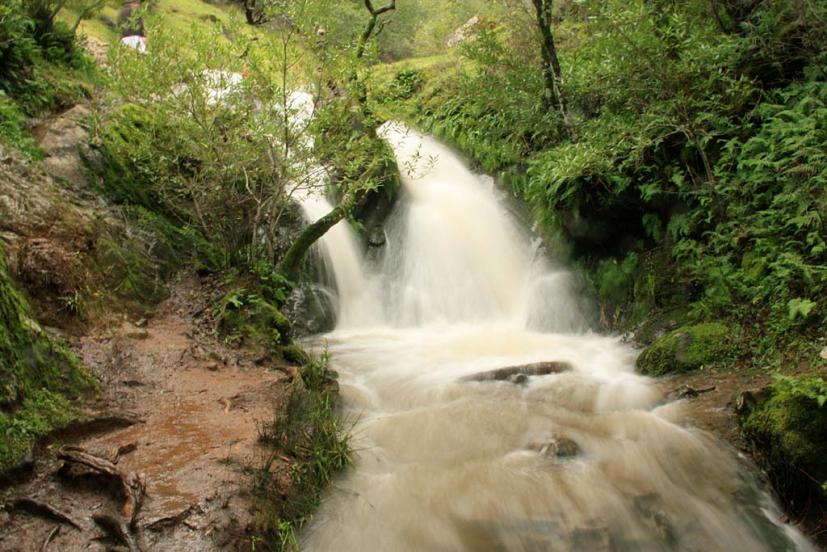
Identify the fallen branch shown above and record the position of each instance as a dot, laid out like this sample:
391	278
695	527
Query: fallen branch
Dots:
688	392
38	508
132	486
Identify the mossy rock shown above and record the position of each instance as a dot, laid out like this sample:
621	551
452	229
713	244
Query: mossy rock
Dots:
685	349
787	432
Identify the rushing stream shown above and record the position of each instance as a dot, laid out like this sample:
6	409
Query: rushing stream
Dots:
584	459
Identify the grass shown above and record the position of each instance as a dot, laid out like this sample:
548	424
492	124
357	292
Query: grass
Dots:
307	431
180	14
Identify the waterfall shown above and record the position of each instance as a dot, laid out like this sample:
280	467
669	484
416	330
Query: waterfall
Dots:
584	456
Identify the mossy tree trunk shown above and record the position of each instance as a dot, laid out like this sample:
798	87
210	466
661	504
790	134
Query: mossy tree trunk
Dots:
291	262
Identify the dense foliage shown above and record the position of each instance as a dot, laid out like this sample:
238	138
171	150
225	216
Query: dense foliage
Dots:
700	150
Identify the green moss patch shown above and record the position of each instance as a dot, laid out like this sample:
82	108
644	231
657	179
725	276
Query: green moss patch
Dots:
787	430
685	349
37	376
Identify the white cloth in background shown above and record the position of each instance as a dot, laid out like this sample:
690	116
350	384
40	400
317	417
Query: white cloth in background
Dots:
135	42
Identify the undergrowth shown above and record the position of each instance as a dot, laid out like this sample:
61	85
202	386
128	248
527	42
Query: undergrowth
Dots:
309	444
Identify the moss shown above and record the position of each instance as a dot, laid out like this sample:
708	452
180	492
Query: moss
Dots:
788	434
38	375
295	354
685	349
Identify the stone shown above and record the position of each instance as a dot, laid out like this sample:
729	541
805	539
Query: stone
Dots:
62	142
468	29
823	353
557	447
685	349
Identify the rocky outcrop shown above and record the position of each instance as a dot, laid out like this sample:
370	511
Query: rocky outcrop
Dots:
463	33
62	140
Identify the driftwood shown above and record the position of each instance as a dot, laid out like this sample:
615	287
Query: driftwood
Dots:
689	392
45	510
514	373
132	486
116	529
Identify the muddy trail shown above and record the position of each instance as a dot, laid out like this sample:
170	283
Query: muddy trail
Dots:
178	419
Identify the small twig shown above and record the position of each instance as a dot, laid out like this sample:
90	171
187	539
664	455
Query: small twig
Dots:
49	538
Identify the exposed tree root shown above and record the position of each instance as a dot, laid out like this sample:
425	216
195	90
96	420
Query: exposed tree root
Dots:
117	529
132	486
39	508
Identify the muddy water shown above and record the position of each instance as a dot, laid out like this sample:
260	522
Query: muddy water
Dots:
586	459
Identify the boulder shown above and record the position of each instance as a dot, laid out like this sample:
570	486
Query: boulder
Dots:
685	349
787	433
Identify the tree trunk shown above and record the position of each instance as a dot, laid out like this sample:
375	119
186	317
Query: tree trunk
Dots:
290	264
552	73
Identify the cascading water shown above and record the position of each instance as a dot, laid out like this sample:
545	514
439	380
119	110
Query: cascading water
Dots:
582	459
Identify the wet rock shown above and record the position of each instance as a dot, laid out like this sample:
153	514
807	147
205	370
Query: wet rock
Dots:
376	236
685	349
557	447
518	379
519	374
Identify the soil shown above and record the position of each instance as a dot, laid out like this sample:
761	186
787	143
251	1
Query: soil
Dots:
198	405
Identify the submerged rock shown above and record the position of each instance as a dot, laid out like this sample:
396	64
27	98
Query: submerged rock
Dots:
685	349
557	447
519	374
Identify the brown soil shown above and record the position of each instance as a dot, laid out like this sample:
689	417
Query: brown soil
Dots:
200	404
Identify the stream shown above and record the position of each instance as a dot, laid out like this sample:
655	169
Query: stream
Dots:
451	456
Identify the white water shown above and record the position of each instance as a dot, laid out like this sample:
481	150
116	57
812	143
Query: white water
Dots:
443	464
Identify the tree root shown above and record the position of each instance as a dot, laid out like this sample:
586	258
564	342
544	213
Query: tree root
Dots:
42	509
132	486
117	529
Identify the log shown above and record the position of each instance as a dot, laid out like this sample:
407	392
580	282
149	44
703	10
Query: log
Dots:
506	374
45	510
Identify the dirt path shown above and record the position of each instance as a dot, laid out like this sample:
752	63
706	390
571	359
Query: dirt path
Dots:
200	405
